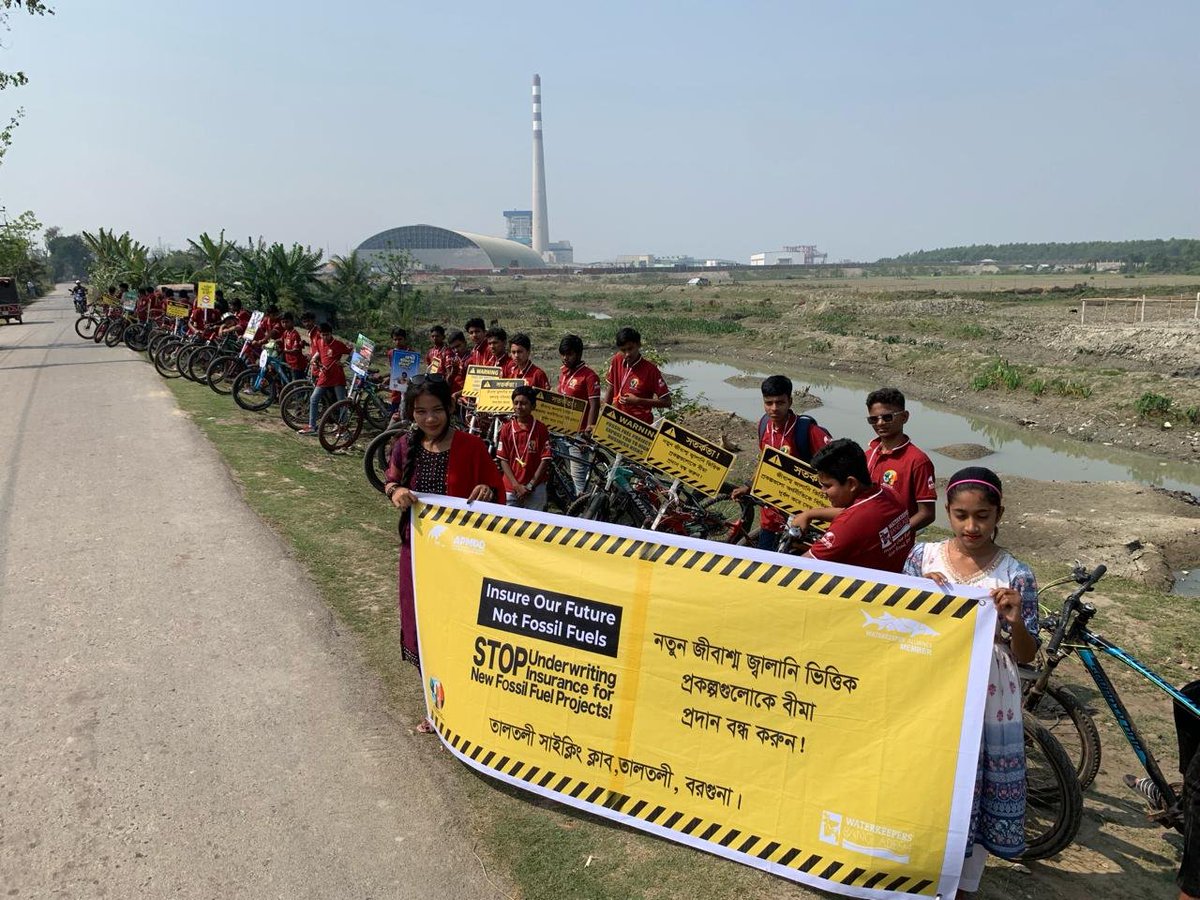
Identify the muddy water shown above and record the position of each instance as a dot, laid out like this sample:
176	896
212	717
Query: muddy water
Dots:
1018	451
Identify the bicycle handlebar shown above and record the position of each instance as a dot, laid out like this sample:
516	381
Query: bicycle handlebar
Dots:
1087	582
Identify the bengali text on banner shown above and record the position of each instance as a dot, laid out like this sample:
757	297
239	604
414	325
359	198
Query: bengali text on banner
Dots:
821	722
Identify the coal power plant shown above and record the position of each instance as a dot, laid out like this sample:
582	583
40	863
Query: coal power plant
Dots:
528	245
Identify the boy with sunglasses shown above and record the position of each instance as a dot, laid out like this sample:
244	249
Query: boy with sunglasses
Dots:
895	461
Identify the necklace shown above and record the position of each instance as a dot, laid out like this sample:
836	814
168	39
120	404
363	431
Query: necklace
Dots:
773	432
628	368
962	577
521	457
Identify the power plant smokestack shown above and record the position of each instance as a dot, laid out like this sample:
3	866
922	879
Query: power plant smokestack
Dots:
541	228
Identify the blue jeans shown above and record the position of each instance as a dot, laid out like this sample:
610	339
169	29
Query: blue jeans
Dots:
535	499
317	394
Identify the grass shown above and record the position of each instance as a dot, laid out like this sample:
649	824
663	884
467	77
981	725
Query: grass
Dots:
344	534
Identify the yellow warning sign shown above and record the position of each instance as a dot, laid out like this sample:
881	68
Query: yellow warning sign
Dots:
622	433
177	311
475	374
206	294
558	412
495	395
786	483
692	459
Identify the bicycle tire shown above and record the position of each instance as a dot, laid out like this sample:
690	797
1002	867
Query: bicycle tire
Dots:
183	358
590	505
164	359
294	385
253	395
221	372
101	330
198	362
1053	798
115	332
294	406
85	327
378	454
135	338
340	425
1065	717
156	341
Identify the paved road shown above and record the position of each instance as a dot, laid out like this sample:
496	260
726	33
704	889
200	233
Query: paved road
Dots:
178	717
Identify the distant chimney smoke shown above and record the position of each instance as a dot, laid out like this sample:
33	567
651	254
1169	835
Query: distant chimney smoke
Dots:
541	228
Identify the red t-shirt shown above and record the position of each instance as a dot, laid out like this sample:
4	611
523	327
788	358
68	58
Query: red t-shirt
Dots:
330	352
481	355
265	327
872	532
440	361
582	382
532	375
906	470
523	449
203	319
469	465
243	319
784	439
293	349
642	379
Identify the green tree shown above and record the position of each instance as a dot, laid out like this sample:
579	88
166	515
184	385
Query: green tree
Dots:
69	255
19	255
286	276
216	257
18	78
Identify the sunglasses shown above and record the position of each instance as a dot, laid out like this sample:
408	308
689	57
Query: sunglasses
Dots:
882	418
432	378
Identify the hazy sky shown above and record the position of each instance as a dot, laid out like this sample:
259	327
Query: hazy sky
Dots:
868	128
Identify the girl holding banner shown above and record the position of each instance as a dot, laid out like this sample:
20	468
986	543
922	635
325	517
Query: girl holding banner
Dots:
433	458
971	557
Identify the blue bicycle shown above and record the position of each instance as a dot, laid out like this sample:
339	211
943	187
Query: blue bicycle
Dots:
1070	634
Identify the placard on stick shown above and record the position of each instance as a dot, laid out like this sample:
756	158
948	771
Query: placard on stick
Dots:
256	318
475	374
495	395
360	360
206	294
786	483
694	460
177	311
622	433
558	412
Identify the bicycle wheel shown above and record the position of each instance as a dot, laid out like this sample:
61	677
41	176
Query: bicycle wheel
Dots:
294	385
101	330
1065	717
198	362
377	455
1053	800
253	390
590	505
115	332
165	358
340	425
85	327
294	406
136	337
221	373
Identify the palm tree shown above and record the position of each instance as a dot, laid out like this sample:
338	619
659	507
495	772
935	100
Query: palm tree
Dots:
217	256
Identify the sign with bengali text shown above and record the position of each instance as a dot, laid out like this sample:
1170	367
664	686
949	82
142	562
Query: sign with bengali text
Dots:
177	311
558	412
821	722
495	395
692	459
206	294
788	484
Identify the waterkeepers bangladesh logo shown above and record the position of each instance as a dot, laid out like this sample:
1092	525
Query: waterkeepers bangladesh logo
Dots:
867	838
911	635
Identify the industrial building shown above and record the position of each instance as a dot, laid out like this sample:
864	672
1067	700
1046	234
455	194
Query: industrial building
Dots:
443	248
796	255
519	226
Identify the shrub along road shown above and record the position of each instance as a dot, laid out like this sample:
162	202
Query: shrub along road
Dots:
178	712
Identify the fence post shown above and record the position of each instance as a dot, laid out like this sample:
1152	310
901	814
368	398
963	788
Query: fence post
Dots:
1083	308
1196	311
1142	310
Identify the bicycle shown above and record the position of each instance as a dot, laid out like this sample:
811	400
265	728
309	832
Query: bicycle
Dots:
256	389
1070	634
342	422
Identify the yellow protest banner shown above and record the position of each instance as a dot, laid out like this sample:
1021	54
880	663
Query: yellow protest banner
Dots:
558	412
818	721
786	483
206	294
177	311
622	433
495	394
475	374
692	459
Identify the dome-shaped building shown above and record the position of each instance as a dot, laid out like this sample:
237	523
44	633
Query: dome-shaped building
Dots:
442	248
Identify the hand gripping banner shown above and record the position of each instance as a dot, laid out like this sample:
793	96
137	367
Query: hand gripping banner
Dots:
821	722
